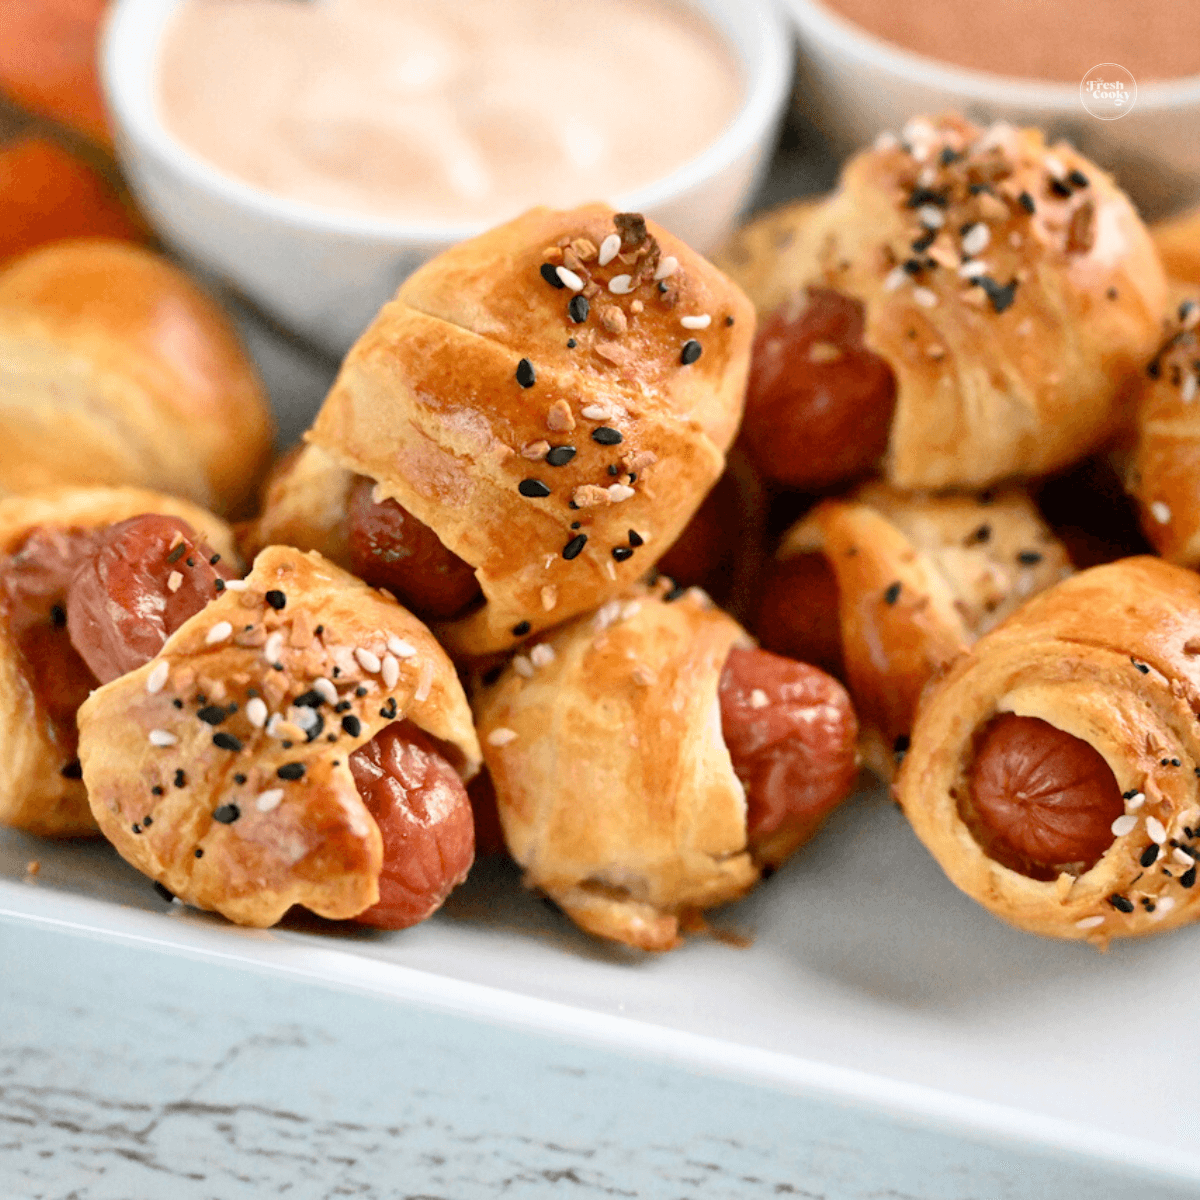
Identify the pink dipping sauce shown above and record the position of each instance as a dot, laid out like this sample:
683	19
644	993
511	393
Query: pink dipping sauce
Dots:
463	111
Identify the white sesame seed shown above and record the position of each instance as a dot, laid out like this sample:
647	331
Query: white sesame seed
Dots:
1135	801
609	248
666	267
368	661
606	614
976	266
1155	830
274	645
273	725
236	585
1089	922
424	681
390	670
1187	389
620	285
268	801
931	216
1160	512
256	712
523	666
620	491
570	279
897	277
400	648
174	581
157	679
1055	166
324	687
1123	825
703	321
924	297
631	609
501	736
596	412
303	716
759	698
1165	904
218	633
162	737
1183	857
542	655
976	238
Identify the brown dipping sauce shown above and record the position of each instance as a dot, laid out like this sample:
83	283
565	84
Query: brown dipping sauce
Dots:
1033	39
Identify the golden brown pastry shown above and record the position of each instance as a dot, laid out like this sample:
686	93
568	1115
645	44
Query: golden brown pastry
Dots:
966	308
544	407
42	680
116	369
1163	472
648	762
1178	242
1053	770
886	587
241	767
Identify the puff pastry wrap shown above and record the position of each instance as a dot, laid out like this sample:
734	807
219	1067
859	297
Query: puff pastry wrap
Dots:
35	795
1111	656
1163	468
615	789
919	578
316	844
115	368
428	404
987	388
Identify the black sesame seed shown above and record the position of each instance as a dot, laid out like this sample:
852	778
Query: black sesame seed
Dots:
914	266
219	584
73	770
662	286
533	489
1188	878
621	553
198	852
892	594
177	553
521	628
1078	178
924	195
342	706
1121	903
180	778
276	599
360	691
690	352
729	321
976	188
549	272
316	729
1154	370
576	524
613	469
291	771
1029	558
571	343
559	456
1145	670
226	741
949	155
1026	202
1149	855
674	594
158	790
191	562
212	562
278	666
1001	295
921	244
607	436
1129	795
1112	293
177	703
352	725
135	828
578	309
331	737
212	714
980	535
526	375
226	814
167	895
58	616
574	548
312	699
287	745
1059	189
239	779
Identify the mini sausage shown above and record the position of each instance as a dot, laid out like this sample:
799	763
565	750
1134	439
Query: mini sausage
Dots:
143	579
1040	799
424	815
818	404
798	612
390	548
791	733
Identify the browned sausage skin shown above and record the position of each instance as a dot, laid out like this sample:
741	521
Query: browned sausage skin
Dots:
1040	800
141	579
390	548
819	404
791	732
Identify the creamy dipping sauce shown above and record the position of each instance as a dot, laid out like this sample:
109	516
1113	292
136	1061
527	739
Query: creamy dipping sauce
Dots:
457	110
1041	39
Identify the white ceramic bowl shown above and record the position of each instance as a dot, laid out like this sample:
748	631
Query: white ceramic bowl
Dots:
851	85
324	273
